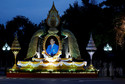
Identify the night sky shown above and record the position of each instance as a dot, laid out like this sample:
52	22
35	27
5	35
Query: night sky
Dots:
35	10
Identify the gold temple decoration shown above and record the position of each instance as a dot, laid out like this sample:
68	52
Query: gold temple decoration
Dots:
15	49
53	18
48	63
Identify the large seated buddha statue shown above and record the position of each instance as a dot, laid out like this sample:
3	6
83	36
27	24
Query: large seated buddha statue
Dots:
54	47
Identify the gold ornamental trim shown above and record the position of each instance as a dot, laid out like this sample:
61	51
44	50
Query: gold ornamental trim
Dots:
59	42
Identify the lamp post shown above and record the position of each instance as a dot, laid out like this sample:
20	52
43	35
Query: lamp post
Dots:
15	49
91	48
107	49
6	48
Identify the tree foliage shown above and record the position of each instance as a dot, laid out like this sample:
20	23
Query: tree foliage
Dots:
97	19
24	29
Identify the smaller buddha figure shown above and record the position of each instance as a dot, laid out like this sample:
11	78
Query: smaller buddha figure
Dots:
52	49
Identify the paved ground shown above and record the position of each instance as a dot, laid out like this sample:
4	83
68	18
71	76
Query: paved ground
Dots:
4	80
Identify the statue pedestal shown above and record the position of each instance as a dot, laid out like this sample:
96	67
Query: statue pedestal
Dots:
63	64
39	68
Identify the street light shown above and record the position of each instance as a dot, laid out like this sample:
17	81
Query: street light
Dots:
6	48
107	49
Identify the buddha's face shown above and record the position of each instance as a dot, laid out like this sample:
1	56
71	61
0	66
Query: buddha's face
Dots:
52	41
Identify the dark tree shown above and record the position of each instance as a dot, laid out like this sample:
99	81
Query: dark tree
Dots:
25	29
116	5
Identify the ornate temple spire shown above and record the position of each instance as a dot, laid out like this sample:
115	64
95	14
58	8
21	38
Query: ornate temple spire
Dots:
91	45
53	18
53	8
15	44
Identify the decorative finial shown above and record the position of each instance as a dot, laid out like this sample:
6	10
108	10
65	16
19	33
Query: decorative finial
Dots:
15	49
15	44
53	18
91	44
